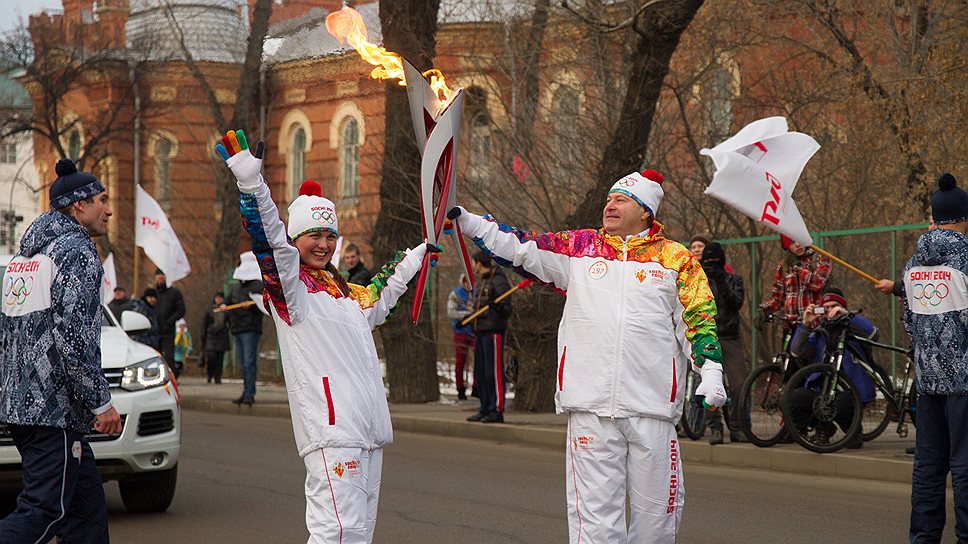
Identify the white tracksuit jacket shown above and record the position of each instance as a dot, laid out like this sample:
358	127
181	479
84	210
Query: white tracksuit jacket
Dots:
637	312
333	376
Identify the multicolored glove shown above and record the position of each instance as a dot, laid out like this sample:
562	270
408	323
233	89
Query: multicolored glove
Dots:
434	251
246	166
711	386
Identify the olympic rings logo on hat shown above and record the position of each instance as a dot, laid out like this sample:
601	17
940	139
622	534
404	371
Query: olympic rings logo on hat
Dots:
929	293
325	216
627	182
17	290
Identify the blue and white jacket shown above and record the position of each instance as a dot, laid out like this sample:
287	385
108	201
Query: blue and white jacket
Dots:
50	328
936	311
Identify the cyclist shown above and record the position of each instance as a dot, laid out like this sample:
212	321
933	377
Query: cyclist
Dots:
810	342
936	317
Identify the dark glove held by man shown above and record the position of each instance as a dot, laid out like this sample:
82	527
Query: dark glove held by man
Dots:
431	248
453	213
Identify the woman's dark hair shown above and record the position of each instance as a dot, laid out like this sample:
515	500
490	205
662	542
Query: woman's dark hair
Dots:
340	280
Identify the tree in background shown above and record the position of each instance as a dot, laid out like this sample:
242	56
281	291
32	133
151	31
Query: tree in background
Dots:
409	28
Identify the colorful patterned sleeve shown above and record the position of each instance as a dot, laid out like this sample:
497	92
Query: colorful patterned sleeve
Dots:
544	258
278	258
386	287
699	310
76	325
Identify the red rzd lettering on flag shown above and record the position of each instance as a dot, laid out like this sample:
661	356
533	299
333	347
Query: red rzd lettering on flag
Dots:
774	203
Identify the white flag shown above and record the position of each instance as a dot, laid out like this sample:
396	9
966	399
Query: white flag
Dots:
757	170
337	252
153	232
110	280
248	268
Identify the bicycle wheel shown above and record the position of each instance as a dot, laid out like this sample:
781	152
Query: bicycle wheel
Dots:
822	408
693	421
878	412
759	406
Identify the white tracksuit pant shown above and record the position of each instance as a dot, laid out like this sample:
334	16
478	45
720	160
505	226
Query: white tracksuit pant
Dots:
342	494
609	459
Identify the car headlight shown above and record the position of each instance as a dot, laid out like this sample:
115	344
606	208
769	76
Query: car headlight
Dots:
146	374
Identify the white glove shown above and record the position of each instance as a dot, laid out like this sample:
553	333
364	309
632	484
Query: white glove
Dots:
247	170
711	385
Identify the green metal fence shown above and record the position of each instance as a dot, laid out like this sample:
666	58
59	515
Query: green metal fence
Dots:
879	251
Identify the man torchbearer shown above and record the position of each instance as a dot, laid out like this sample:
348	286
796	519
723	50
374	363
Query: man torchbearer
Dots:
639	311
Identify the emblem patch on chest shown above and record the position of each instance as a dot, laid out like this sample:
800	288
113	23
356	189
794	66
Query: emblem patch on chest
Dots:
597	270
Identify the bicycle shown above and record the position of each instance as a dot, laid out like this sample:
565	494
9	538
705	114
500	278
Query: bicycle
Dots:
890	401
759	399
836	416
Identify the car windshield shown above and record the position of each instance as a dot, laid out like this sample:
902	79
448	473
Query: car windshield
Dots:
106	320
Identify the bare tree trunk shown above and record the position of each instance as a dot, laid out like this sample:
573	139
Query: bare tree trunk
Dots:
409	28
535	339
659	29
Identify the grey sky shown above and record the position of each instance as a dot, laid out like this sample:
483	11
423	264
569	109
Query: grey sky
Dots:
14	11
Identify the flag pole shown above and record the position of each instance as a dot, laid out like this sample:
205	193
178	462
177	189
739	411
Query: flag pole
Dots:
845	264
501	297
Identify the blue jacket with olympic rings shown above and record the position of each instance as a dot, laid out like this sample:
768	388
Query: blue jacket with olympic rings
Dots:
50	329
936	311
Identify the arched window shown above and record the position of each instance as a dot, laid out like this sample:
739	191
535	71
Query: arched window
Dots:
479	159
297	160
162	153
74	144
567	148
349	158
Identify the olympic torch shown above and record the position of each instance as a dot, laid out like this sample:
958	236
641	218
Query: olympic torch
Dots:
436	126
436	111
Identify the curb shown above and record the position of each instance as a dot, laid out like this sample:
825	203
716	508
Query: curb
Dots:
227	407
796	461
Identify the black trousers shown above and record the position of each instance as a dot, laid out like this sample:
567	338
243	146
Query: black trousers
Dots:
214	361
62	492
489	371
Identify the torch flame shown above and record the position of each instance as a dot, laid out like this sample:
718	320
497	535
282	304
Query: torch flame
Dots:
346	25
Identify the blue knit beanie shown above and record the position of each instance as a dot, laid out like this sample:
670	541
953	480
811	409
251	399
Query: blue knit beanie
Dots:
949	204
72	186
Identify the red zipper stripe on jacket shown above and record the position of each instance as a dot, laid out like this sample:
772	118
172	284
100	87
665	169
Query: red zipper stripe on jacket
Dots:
329	401
561	369
675	386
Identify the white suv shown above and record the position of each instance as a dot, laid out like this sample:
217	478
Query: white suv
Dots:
144	458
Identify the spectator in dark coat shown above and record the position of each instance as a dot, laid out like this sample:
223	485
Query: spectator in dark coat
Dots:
246	326
489	330
169	309
120	303
146	307
356	272
728	291
215	338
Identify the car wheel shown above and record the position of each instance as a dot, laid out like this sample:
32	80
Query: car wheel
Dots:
149	494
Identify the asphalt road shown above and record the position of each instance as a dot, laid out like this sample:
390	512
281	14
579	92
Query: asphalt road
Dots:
241	481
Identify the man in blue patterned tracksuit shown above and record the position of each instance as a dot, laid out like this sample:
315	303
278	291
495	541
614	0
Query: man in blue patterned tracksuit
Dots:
936	317
51	385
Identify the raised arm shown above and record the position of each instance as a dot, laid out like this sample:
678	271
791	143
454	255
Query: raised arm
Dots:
816	277
277	256
541	257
